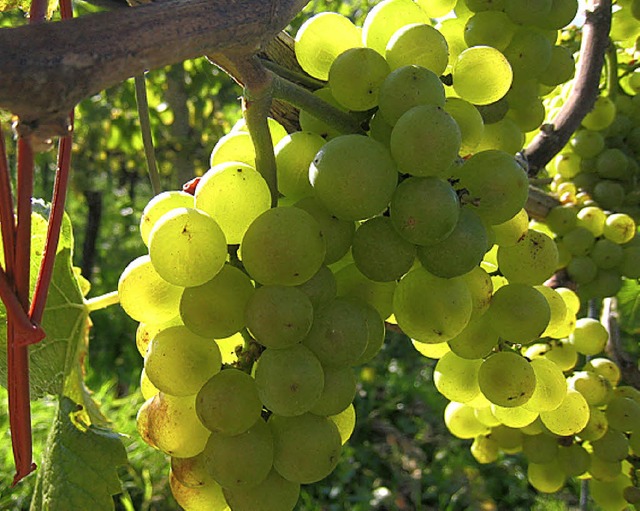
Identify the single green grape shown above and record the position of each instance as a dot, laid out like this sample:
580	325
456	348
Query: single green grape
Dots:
481	75
418	44
532	260
274	493
294	153
507	379
456	378
158	206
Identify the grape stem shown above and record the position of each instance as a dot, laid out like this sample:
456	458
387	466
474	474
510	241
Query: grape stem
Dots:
142	103
102	302
595	40
614	349
611	60
292	75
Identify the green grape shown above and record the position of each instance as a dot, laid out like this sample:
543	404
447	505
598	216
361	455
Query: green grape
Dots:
459	252
279	316
623	414
437	8
240	461
610	494
418	44
528	117
484	449
514	417
321	39
283	246
475	341
379	129
530	261
355	78
353	176
605	283
546	477
612	446
294	153
606	368
561	67
519	313
593	219
191	472
179	362
574	460
609	194
453	31
606	254
233	194
563	354
216	309
407	87
158	206
507	379
541	448
481	75
345	421
579	241
510	232
634	442
234	147
494	112
485	5
380	252
570	417
337	233
558	309
612	163
589	336
630	264
145	332
470	122
601	115
147	389
528	53
277	130
387	17
434	351
582	269
229	403
497	185
205	498
603	470
489	28
524	12
567	165
145	296
596	427
619	228
456	378
375	334
595	388
509	439
173	426
338	392
424	210
587	143
481	288
307	447
431	309
560	15
551	386
187	247
339	334
503	135
312	124
321	288
562	219
289	380
484	414
274	493
461	421
353	284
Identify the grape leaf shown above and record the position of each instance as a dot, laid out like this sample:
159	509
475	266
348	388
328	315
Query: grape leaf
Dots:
629	306
78	468
23	5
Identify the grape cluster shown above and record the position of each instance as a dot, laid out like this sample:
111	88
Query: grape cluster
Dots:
253	317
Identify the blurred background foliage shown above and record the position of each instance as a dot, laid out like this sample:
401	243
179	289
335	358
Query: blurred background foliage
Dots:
401	457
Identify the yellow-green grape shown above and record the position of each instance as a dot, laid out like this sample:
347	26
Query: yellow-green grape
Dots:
481	75
307	447
229	403
546	477
191	472
469	121
540	448
216	309
234	147
606	254
579	241
145	296
596	427
338	391
240	461
424	210
147	389
627	391
481	287
558	308
476	341
497	185
484	449
503	135
434	351
145	332
612	446
173	426
587	143
158	206
353	176
321	288
274	493
418	44
623	414
574	460
143	421
509	439
277	130
431	309
353	284
529	53
375	334
289	380
595	388
532	260
345	421
460	252
507	379
519	312
337	233
609	495
601	115
294	153
589	336
551	386
562	219
339	334
570	417
563	354
514	417
560	14
523	13
512	231
205	498
619	228
461	421
535	428
425	141
262	250
233	194
453	31
630	264
485	414
437	8
179	362
321	39
603	470
384	19
355	78
310	123
380	129
489	28
593	219
380	252
456	378
279	316
187	247
561	67
606	368
408	87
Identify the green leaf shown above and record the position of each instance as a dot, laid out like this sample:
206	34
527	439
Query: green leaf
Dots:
78	468
629	306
